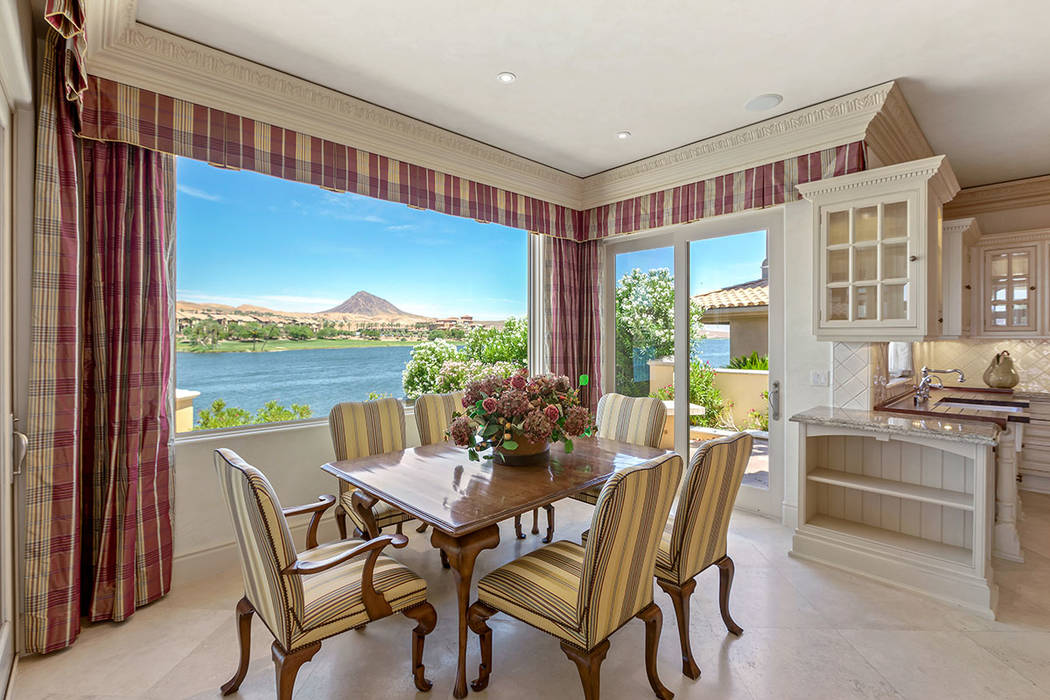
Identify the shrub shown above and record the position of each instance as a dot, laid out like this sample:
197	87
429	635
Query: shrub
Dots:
758	419
219	415
421	372
752	361
703	392
491	345
439	366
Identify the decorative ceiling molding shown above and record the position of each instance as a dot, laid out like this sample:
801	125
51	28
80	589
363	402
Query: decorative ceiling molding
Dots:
967	226
832	123
124	50
1016	194
893	135
937	170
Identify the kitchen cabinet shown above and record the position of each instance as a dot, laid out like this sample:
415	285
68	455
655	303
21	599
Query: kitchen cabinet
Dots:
878	236
1011	273
957	277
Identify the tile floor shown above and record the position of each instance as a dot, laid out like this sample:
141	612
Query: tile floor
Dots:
809	632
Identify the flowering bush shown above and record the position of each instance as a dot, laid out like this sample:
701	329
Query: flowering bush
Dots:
440	366
538	409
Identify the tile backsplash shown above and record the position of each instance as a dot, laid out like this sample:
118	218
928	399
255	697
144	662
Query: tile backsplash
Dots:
1031	359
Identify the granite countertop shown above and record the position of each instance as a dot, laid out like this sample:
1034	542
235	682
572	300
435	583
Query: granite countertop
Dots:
978	432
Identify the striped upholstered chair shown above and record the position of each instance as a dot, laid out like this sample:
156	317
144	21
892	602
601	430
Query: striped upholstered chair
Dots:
583	594
360	429
637	420
305	597
434	415
695	538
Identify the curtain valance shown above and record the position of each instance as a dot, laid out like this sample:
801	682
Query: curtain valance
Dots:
754	188
67	18
117	112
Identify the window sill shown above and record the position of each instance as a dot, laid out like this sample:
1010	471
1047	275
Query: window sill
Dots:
194	436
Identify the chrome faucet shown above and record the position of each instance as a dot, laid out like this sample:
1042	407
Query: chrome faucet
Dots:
922	391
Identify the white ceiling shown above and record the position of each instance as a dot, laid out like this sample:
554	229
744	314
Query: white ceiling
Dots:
976	73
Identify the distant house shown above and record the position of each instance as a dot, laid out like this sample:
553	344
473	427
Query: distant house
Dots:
745	307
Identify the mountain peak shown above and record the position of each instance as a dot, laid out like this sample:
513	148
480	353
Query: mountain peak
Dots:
365	304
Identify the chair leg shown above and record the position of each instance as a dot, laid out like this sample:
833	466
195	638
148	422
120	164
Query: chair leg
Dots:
726	569
477	615
680	596
340	521
535	521
286	665
422	527
589	664
550	523
399	528
244	635
426	617
654	621
517	528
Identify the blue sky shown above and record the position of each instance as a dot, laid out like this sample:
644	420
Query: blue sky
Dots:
713	262
247	238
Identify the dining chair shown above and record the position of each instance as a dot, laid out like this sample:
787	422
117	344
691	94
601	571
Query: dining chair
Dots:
361	429
695	538
583	594
306	597
434	414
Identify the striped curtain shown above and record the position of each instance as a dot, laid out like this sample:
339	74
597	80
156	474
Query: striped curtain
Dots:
97	480
575	323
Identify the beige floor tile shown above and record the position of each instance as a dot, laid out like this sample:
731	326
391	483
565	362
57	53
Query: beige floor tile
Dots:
1028	653
940	665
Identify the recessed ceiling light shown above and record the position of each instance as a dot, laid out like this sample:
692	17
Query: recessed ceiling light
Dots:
506	77
764	102
623	135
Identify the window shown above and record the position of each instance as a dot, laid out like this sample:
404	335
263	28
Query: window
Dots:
291	299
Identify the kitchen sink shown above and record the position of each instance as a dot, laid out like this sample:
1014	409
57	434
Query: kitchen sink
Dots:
979	406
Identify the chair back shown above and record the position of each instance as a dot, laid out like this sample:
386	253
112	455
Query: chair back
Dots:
263	541
434	415
706	502
637	420
363	428
620	556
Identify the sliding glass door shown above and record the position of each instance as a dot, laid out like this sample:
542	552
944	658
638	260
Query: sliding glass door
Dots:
688	321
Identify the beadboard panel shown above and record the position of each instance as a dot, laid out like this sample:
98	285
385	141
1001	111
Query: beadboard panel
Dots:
895	461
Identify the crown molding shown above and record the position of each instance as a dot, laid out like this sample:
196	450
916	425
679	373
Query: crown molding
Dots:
831	123
967	228
1016	194
16	73
936	171
1009	238
144	57
124	50
894	135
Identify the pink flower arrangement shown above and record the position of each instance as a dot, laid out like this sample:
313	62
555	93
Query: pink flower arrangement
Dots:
538	409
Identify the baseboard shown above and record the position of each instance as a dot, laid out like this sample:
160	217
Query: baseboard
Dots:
1033	482
789	515
191	567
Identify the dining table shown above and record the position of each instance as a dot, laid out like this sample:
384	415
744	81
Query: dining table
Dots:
463	501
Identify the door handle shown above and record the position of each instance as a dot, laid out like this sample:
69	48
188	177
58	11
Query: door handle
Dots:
21	447
774	400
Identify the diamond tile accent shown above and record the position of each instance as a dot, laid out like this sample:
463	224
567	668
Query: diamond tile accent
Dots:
1031	359
851	375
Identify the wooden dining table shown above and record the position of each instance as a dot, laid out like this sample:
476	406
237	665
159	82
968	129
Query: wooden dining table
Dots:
464	501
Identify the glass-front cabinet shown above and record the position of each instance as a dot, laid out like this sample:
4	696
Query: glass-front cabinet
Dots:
1009	291
877	241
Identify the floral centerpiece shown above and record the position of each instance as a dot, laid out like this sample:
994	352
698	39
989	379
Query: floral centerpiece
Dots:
519	417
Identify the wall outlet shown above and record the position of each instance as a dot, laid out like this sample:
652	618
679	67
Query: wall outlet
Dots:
818	377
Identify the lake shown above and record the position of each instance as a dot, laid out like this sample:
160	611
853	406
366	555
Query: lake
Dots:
319	378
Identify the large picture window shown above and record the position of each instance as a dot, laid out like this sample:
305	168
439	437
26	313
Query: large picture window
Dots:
291	299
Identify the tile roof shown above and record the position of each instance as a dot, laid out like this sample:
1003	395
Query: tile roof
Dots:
754	293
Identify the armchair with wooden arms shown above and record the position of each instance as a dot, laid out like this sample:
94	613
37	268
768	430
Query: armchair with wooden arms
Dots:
306	597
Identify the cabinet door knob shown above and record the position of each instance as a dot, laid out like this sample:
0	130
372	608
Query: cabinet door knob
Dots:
1032	288
913	258
967	287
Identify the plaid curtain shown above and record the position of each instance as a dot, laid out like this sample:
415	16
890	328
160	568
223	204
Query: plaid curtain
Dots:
97	477
127	228
575	324
67	18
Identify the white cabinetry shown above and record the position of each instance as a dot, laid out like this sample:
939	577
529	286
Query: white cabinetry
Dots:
878	236
1012	272
957	277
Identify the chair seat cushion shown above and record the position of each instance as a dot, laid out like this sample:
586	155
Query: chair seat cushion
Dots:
332	599
665	568
385	514
541	589
589	496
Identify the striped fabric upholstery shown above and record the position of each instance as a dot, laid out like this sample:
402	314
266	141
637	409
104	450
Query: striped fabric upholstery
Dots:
264	542
364	428
434	415
584	594
299	610
639	421
698	535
